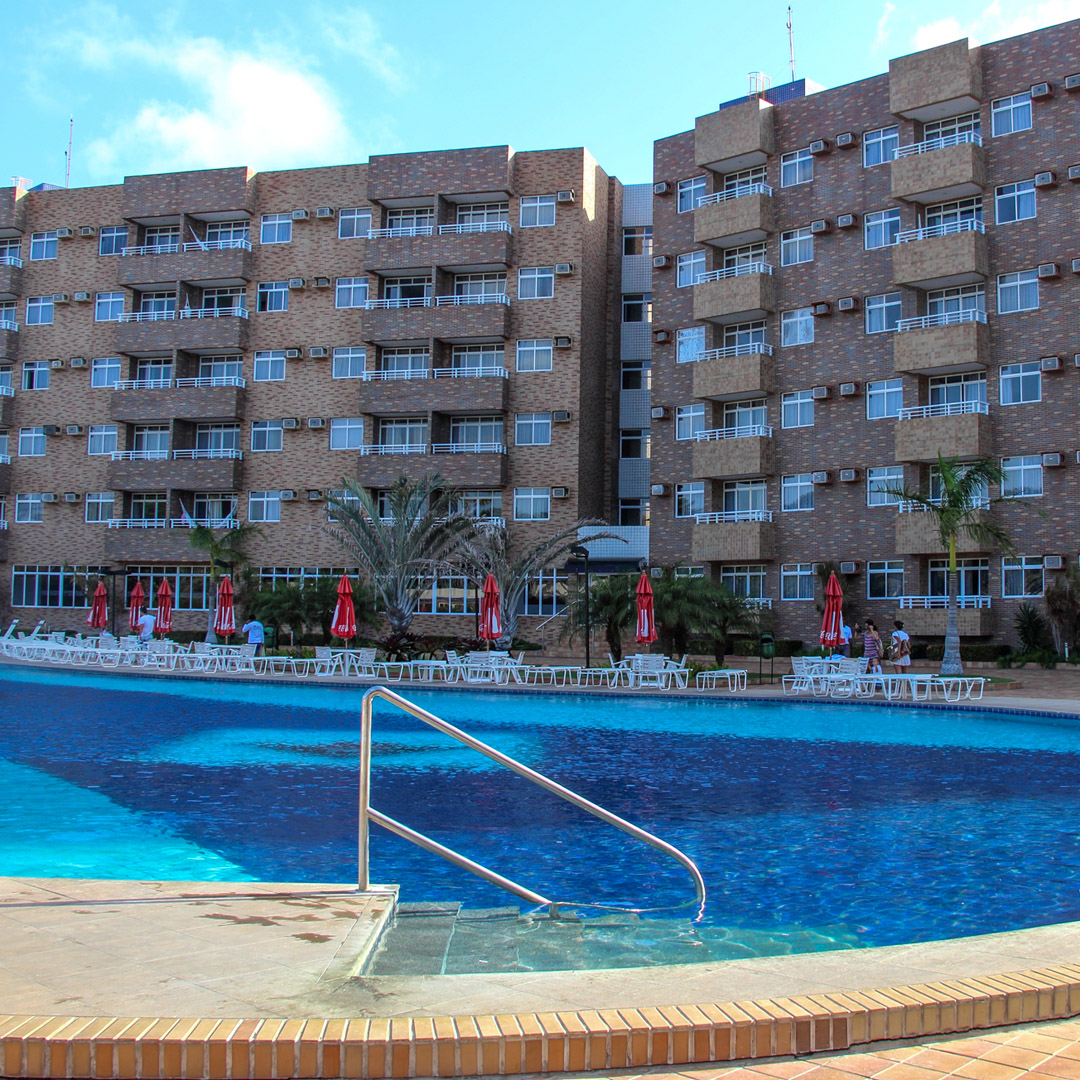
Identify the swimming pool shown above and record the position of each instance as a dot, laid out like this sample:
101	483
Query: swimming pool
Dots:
815	826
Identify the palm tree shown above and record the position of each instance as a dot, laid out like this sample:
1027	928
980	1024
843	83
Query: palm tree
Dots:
225	550
612	605
957	511
684	607
1062	600
732	614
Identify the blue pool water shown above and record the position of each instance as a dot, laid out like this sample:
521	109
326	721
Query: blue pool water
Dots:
868	826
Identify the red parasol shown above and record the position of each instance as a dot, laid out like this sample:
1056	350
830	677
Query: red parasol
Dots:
137	604
344	624
832	623
225	616
646	620
98	618
490	626
164	607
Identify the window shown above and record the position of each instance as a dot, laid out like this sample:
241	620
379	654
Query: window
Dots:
1009	114
972	577
545	593
635	444
9	251
635	375
229	233
5	376
689	420
349	363
101	439
882	485
407	431
412	220
351	292
634	512
690	499
797	327
532	504
220	368
796	246
689	571
347	433
151	441
796	168
272	296
952	301
748	581
689	192
264	506
797	581
744	414
688	267
1022	575
1023	477
450	595
474	432
637	240
353	224
270	366
744	335
226	300
481	214
885	579
536	211
39	311
28	511
162	238
214	507
1016	292
480	503
689	344
155	372
406	289
797	492
980	497
109	306
1020	383
536	282
99	506
1014	202
35	375
952	127
52	586
491	284
957	389
882	312
265	435
112	239
797	409
534	354
42	246
880	228
157	303
952	214
532	429
222	439
743	179
32	442
879	147
404	363
884	398
744	497
636	307
276	229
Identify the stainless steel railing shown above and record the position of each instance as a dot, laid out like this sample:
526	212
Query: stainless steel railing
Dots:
368	814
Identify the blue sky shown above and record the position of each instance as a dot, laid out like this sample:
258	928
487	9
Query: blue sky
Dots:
193	84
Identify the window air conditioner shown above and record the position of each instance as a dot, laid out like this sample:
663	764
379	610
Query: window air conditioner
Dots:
661	337
821	477
56	363
658	489
322	283
1076	359
820	392
51	429
1050	363
296	283
293	354
71	496
660	261
847	303
1042	90
820	226
317	352
315	422
656	571
1052	461
563	342
849	567
1072	82
846	221
1076	266
324	212
65	233
77	361
314	494
848	476
820	146
560	492
821	308
1049	270
1046	179
564	268
664	188
1074	172
287	495
560	416
87	230
299	215
846	140
82	297
1054	562
72	429
289	423
847	389
659	412
48	496
565	196
60	298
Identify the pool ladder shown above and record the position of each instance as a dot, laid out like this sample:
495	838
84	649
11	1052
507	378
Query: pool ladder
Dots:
368	814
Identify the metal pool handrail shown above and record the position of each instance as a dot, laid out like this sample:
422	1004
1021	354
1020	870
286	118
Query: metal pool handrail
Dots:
368	813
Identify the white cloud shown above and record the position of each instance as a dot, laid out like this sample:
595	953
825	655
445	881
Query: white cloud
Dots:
999	19
883	25
939	33
354	33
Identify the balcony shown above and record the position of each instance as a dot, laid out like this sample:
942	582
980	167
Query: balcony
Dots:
7	407
134	540
623	542
451	390
5	474
935	83
731	218
193	470
448	318
156	264
9	340
738	371
926	616
454	247
939	344
959	429
917	533
733	453
10	276
486	169
941	256
738	294
12	211
939	169
471	465
222	192
735	138
734	536
136	401
198	330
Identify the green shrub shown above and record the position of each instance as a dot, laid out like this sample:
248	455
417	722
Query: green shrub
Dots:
975	652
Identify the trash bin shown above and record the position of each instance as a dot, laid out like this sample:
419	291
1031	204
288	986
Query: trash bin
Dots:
270	634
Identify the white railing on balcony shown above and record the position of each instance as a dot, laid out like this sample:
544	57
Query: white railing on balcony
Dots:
140	455
471	373
928	232
5	459
468	448
401	230
219	245
948	408
478	226
169	247
398	302
946	318
138	523
395	375
8	324
735	193
3	524
6	391
624	542
146	316
479	298
726	516
910	506
11	260
143	384
393	448
237	312
758	348
213	380
734	271
229	522
939	144
941	602
745	431
215	454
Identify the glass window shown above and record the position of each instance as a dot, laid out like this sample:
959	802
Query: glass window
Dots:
265	435
476	431
1023	477
101	439
797	409
532	504
449	595
32	442
884	398
636	307
879	147
797	492
5	376
1018	292
952	127
689	191
952	214
880	228
743	335
745	414
1022	575
155	371
270	366
407	431
412	220
157	303
957	389
28	512
797	581
972	577
42	246
477	360
112	239
980	497
406	289
534	354
689	420
633	511
1009	114
883	484
273	296
747	580
1014	202
353	224
688	267
220	367
637	240
882	312
690	499
490	284
349	363
796	168
229	233
162	239
884	579
276	229
99	506
494	213
952	301
264	506
536	211
105	371
480	503
536	282
796	246
689	344
35	375
229	300
351	292
1020	383
220	438
39	311
108	306
151	440
797	327
635	444
744	255
743	179
347	433
635	375
532	429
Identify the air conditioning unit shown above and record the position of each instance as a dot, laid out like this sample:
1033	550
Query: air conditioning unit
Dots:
296	283
1046	179
322	283
60	298
849	476
660	261
820	146
1050	363
821	477
71	496
290	423
48	496
560	492
65	233
82	297
563	342
661	337
324	212
1076	359
299	215
658	489
293	354
847	389
1049	270
849	566
564	268
821	308
287	495
847	303
317	352
847	221
72	429
56	363
847	140
1054	562
820	392
560	416
87	230
664	188
1072	82
77	361
1052	461
1076	266
820	226
659	412
656	571
564	196
51	429
315	422
1074	173
314	494
1042	90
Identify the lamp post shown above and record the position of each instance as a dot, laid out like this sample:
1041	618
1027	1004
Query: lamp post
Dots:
580	551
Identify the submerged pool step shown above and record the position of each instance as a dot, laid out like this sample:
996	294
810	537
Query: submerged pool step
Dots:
417	940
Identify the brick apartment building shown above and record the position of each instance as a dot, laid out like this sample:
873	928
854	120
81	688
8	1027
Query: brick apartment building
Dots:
732	365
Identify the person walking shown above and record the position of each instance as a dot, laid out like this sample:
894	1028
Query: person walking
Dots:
256	634
845	638
901	648
146	625
872	647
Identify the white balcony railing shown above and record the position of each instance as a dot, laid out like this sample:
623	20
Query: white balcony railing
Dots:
140	455
215	454
479	298
8	324
11	260
5	459
946	318
941	602
928	232
753	348
473	227
206	381
758	601
930	145
471	373
398	302
146	316
379	450
6	391
727	516
143	384
219	245
743	431
395	376
910	506
401	230
3	524
735	193
238	312
468	448
138	523
734	271
229	522
168	247
948	408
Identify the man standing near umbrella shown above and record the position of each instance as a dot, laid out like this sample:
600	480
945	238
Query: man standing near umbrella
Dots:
146	625
256	634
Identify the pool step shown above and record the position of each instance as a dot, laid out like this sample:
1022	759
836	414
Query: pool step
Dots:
416	941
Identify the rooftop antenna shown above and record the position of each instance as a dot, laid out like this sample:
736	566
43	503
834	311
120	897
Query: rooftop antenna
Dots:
67	155
791	43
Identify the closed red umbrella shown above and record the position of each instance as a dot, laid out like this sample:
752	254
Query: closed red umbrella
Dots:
344	624
137	604
490	625
98	618
832	636
164	607
225	616
646	620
